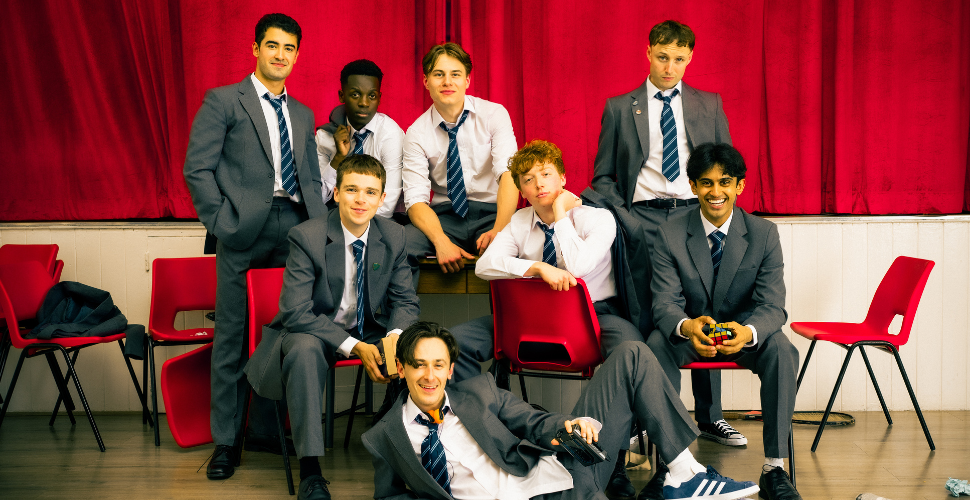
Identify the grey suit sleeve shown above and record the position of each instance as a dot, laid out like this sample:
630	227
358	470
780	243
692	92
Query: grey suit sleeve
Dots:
526	422
314	199
721	132
204	152
402	298
604	167
768	297
297	312
668	291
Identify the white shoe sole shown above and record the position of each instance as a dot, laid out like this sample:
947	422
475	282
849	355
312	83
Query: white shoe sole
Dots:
734	495
738	441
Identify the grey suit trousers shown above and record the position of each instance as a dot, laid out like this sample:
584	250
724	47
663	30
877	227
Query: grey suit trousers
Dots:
775	362
476	339
229	346
706	384
463	231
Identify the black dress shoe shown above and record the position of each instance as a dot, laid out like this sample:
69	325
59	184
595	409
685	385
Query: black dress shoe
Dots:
314	488
654	490
775	485
266	443
620	487
221	463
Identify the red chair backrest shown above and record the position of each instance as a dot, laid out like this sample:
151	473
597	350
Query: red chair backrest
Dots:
899	292
187	284
542	329
263	287
23	287
46	255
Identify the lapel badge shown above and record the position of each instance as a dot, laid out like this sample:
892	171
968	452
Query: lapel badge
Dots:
376	266
635	102
638	111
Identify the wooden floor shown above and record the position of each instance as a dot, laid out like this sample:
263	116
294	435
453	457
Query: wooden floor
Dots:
37	461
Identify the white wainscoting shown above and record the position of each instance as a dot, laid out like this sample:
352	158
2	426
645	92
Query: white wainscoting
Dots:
833	266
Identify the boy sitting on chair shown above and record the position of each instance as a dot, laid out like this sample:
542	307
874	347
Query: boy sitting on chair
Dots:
347	284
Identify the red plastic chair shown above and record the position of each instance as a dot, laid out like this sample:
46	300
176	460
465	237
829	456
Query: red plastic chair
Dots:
23	287
178	285
899	292
731	365
187	394
567	341
263	287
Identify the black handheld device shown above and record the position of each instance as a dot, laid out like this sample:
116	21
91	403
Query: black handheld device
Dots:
587	454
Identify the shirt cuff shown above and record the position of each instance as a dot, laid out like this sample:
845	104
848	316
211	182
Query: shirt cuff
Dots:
396	330
677	332
754	336
347	346
592	421
519	267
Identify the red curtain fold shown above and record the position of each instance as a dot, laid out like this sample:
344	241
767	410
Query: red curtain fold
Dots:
838	107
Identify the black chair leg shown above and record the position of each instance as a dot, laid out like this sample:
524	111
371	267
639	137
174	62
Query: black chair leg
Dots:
4	352
63	395
791	452
835	392
151	367
368	395
13	383
808	356
134	380
353	407
80	394
912	396
872	376
144	378
280	418
241	432
328	425
525	395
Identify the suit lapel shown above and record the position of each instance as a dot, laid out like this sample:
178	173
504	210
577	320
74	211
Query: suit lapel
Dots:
700	252
688	99
250	102
376	249
642	121
397	435
335	255
735	245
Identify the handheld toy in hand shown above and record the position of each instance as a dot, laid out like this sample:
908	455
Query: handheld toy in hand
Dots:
718	333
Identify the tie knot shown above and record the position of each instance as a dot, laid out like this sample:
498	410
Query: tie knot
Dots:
358	248
278	102
361	136
666	98
433	418
546	229
716	237
453	131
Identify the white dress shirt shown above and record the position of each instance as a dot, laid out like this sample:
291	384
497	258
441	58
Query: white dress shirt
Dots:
708	229
386	143
474	476
583	240
651	183
272	123
486	141
346	316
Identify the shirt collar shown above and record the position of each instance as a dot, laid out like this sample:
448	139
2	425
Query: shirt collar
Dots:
536	219
349	238
652	89
709	228
261	89
469	105
411	410
371	125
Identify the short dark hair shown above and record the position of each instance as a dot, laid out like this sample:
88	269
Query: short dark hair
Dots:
408	341
363	67
281	21
709	154
671	31
535	151
451	49
363	164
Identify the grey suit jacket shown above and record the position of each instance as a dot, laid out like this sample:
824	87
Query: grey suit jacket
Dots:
750	285
510	431
313	285
625	137
229	163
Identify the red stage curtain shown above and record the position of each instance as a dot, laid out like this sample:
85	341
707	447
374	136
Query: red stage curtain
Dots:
839	107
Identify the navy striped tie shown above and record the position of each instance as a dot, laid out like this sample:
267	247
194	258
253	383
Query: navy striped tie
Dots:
359	258
668	126
359	139
548	248
286	155
433	452
456	180
716	250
